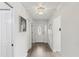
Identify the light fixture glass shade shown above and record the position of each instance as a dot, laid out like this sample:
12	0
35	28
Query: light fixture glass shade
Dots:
40	13
40	9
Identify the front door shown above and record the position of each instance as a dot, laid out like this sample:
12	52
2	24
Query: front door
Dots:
39	33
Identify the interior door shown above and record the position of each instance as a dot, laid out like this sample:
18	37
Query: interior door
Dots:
40	33
5	33
57	34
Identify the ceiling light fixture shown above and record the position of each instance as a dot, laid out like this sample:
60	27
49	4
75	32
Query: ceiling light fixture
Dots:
40	9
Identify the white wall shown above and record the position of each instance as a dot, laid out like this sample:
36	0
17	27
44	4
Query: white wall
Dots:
21	39
70	29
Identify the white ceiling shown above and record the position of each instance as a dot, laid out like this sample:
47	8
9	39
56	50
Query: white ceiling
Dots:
50	9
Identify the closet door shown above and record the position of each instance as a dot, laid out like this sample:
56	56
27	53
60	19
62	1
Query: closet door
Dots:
5	33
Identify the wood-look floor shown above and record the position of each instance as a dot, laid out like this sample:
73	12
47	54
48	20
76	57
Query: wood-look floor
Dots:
40	50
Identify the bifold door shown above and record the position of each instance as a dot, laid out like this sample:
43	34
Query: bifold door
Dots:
5	33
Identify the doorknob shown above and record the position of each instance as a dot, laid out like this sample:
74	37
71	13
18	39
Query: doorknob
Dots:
59	29
12	45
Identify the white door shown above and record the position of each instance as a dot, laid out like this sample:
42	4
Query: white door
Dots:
57	34
39	33
5	33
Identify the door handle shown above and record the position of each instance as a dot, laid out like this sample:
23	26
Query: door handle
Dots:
12	45
59	29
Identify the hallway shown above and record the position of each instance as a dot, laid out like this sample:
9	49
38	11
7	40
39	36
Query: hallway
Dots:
34	25
39	29
40	49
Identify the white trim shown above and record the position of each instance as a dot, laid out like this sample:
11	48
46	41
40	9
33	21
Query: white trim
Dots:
12	15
